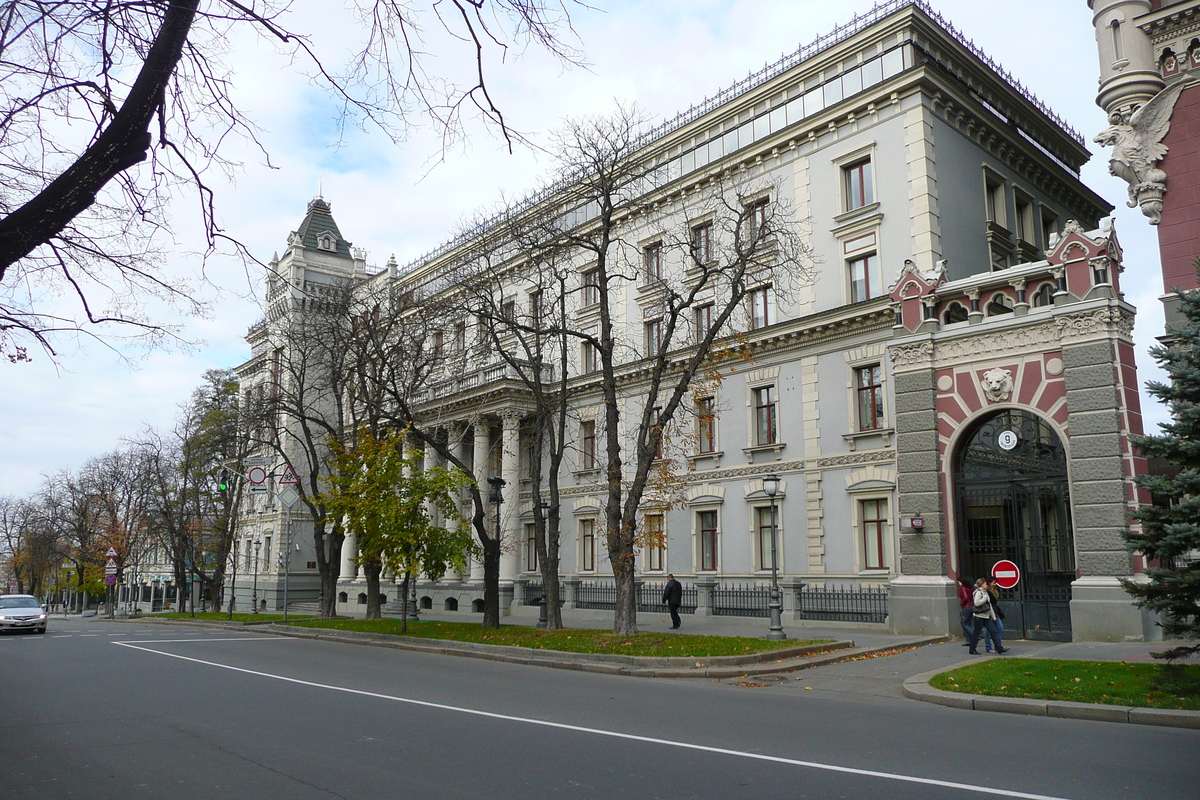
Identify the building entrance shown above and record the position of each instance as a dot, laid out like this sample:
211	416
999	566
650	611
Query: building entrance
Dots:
1013	502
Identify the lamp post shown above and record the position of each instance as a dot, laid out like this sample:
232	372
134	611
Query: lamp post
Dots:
254	594
543	620
775	634
496	495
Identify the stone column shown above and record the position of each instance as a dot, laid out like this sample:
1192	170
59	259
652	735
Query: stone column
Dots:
704	596
510	471
349	571
458	445
479	465
571	586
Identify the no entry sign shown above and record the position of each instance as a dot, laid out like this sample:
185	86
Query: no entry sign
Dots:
1006	574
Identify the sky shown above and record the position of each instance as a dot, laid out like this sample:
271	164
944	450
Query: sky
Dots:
406	199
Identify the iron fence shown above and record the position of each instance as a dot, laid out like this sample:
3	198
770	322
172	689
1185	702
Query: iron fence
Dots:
650	598
601	596
534	590
843	605
741	600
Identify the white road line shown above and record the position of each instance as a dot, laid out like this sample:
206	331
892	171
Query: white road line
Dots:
969	787
194	641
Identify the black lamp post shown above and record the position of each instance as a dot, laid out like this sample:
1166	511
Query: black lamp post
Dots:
775	634
254	594
543	620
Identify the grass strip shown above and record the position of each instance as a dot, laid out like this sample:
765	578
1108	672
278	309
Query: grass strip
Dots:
1105	682
570	640
222	616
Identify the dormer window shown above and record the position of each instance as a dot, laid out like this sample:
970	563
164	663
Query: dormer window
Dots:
326	242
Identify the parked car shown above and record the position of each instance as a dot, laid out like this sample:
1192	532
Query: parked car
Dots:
21	612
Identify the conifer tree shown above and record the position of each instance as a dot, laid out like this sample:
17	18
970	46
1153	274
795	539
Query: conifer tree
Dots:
1170	530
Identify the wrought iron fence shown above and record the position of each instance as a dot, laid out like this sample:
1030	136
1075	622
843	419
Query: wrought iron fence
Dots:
650	598
843	605
741	600
602	596
533	593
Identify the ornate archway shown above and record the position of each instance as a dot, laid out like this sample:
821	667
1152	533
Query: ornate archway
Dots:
1012	501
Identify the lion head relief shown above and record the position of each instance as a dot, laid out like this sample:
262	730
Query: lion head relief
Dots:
997	384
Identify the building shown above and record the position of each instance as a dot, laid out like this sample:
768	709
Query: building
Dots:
951	382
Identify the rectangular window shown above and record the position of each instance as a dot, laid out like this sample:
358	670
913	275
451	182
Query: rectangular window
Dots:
460	337
760	307
702	243
531	556
866	278
702	321
1049	227
587	544
995	202
508	311
654	338
707	522
591	287
438	344
266	555
590	357
706	425
766	552
869	382
874	516
757	218
656	428
858	185
652	261
1024	218
655	542
535	307
277	372
587	443
765	431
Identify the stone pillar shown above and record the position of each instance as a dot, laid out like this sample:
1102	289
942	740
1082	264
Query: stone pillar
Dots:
458	445
510	471
923	599
349	571
479	464
571	593
790	585
1101	610
704	596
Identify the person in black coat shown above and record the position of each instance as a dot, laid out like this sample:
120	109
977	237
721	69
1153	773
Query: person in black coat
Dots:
673	597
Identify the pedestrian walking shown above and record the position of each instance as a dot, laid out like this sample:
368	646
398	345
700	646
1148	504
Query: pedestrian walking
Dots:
993	587
984	617
965	603
673	597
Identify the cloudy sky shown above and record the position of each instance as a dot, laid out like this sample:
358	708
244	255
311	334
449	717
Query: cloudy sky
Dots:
405	199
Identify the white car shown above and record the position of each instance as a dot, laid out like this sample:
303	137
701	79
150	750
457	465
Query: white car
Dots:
21	612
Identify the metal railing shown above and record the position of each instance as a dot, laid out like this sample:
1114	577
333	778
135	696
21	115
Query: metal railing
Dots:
596	595
843	605
650	598
534	590
741	600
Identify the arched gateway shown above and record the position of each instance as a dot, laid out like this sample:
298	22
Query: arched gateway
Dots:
1012	501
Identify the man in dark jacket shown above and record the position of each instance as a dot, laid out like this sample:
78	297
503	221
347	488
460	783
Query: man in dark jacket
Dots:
673	597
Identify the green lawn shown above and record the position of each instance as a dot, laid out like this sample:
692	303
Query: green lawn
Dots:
223	616
572	640
1107	682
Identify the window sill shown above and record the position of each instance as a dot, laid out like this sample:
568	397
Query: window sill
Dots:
715	455
762	448
853	437
581	474
848	219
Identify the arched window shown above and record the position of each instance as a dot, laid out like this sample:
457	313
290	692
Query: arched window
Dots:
955	312
451	604
477	606
362	598
999	304
343	597
1044	296
427	602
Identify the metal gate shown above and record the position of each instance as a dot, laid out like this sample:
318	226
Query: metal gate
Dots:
1013	502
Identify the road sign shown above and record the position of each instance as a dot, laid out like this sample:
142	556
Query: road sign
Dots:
257	475
288	478
112	564
1006	573
112	552
288	497
111	580
258	461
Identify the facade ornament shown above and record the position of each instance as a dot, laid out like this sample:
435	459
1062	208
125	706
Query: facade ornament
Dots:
906	354
998	384
1075	326
1137	146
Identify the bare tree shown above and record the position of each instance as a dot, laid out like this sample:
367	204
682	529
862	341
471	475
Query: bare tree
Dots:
89	91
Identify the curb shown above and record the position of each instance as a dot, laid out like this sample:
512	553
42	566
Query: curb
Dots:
917	688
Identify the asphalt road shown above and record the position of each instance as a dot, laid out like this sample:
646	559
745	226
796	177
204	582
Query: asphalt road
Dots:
129	710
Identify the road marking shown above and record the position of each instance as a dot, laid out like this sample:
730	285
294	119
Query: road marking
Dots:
88	634
62	636
970	787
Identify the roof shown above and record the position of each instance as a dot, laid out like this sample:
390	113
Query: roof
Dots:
318	220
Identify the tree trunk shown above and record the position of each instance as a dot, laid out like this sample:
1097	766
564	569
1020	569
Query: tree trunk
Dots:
404	605
491	582
625	612
371	569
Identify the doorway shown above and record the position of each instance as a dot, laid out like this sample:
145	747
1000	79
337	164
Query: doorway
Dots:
1013	502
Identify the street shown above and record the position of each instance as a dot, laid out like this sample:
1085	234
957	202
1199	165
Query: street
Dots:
104	709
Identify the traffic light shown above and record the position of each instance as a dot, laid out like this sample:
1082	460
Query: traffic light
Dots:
223	482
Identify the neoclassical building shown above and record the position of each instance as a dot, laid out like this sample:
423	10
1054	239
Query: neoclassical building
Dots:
951	383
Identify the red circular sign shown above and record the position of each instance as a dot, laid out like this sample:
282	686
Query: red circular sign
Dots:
256	475
1006	574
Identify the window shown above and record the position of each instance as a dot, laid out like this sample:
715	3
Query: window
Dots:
655	542
266	553
590	357
869	382
508	311
531	555
535	307
760	301
706	521
656	428
587	444
874	521
702	243
955	312
858	186
591	287
766	552
706	425
999	304
757	219
1044	296
702	321
1024	218
587	545
995	201
765	431
654	338
438	343
652	261
866	278
1049	226
460	337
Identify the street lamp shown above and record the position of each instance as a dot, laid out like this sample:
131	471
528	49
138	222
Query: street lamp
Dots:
495	495
543	619
254	594
775	634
